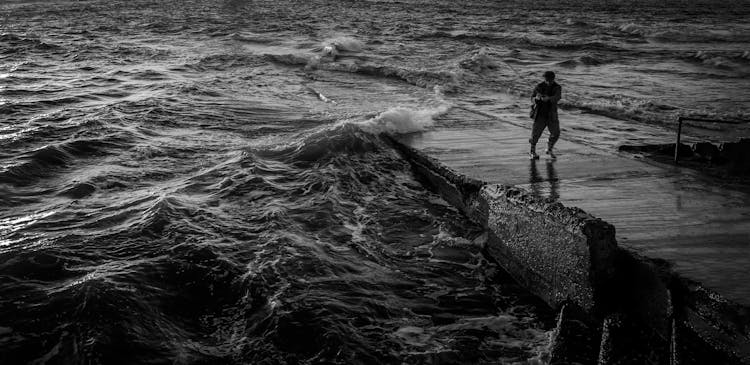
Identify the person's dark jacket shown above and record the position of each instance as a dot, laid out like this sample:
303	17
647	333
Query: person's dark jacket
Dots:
547	110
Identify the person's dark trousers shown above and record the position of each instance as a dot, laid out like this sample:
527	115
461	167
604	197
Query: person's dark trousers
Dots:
538	128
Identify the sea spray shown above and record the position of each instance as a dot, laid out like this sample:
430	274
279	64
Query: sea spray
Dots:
332	47
344	43
400	120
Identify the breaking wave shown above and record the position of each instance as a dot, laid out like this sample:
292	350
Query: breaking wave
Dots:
344	43
401	120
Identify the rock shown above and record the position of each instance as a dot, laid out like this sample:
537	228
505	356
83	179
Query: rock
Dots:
706	150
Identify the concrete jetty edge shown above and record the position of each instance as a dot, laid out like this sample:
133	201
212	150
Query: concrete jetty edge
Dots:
615	306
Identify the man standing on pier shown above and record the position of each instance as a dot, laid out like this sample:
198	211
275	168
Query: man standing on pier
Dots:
545	97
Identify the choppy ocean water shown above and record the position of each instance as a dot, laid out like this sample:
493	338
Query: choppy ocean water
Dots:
204	181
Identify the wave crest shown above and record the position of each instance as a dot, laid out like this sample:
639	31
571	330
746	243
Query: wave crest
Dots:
401	120
343	43
479	61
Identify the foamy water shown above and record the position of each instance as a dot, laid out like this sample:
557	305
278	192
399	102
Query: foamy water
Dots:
204	181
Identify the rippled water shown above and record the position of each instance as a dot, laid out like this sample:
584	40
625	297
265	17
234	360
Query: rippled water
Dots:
204	181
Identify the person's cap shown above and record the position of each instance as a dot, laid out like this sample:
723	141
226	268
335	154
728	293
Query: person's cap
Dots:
549	75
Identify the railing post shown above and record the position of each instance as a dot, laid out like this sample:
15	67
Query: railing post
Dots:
677	144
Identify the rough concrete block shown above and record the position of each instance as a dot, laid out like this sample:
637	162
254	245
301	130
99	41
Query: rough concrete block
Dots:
560	254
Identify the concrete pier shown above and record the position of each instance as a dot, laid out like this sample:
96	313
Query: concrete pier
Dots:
659	211
641	301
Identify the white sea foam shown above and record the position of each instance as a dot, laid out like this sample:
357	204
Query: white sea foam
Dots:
334	46
406	119
479	61
402	119
343	43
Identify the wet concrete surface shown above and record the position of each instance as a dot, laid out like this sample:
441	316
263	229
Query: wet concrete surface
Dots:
697	223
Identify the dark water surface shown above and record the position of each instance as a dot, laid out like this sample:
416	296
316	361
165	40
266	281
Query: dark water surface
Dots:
204	182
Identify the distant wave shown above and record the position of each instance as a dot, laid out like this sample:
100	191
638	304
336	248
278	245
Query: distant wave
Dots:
738	61
511	39
344	43
253	38
140	52
645	110
424	78
43	161
585	60
683	34
463	35
53	126
320	95
566	45
698	36
11	108
13	43
632	28
479	61
223	62
576	22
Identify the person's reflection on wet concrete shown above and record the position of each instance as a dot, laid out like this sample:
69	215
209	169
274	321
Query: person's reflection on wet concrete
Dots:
536	180
554	182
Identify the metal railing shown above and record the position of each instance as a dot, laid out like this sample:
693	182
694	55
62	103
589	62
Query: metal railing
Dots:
679	131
